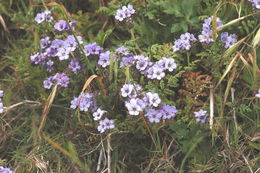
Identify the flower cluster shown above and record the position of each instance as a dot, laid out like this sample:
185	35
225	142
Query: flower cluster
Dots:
255	3
155	70
1	102
227	39
126	58
52	51
43	16
105	124
56	48
124	12
146	67
61	79
206	34
87	102
5	170
93	49
184	42
75	66
201	116
62	25
149	102
104	59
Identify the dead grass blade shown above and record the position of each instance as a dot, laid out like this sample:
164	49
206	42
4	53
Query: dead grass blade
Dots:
214	27
229	84
3	24
47	108
70	154
256	39
229	67
233	22
88	81
234	47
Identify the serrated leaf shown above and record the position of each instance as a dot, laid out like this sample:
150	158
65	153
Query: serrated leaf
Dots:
175	28
168	92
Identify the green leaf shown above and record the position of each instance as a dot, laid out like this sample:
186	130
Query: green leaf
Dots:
176	27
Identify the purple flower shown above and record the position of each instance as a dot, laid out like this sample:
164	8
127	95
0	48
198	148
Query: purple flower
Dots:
104	59
127	61
38	58
48	16
74	103
85	102
72	24
57	43
5	170
255	3
184	43
227	39
206	34
43	16
62	79
167	64
130	90
1	107
155	72
98	114
153	99
142	62
63	53
158	73
126	90
133	107
124	12
75	66
154	116
169	111
40	17
56	46
206	37
93	49
142	103
129	10
70	43
122	51
48	83
44	42
49	65
201	116
105	124
1	93
61	25
120	15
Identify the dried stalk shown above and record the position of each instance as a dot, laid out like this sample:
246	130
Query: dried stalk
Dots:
99	160
247	163
211	106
